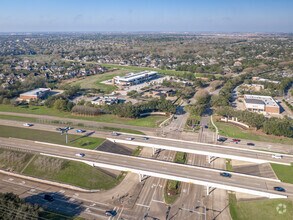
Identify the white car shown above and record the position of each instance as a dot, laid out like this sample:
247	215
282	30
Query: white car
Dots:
28	124
80	155
129	138
277	156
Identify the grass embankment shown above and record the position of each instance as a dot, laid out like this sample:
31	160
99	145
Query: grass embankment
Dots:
137	151
59	170
51	137
260	209
284	173
149	121
172	188
230	130
71	172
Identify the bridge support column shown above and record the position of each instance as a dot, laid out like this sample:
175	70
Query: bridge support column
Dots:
154	150
208	190
140	177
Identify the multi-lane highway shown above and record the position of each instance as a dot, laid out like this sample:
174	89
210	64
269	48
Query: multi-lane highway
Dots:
185	173
221	151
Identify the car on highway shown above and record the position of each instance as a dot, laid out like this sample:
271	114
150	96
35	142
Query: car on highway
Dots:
59	129
279	189
236	140
48	197
250	144
222	139
111	213
28	124
145	138
80	131
115	133
277	156
225	174
129	138
80	155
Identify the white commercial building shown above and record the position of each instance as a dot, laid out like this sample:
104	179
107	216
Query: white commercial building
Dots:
258	103
105	100
135	78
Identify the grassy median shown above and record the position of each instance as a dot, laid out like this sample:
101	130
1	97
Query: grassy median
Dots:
284	173
51	137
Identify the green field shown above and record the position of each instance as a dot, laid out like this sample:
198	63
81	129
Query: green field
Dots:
70	172
260	209
150	121
229	130
95	81
284	173
172	191
51	137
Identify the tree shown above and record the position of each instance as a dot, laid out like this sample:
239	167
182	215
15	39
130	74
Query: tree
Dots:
60	104
15	208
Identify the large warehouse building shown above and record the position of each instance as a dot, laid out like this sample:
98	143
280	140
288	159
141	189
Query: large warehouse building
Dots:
35	94
135	78
257	103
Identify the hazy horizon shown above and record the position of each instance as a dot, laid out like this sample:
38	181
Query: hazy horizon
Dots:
226	16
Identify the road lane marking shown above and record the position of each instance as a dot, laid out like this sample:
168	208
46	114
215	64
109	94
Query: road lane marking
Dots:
142	205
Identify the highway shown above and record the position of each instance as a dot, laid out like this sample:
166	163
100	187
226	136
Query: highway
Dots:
221	151
167	170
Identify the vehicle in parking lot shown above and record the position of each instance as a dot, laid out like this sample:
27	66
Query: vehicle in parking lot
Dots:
48	198
28	124
250	144
279	189
111	213
129	138
222	139
80	131
225	174
80	155
277	156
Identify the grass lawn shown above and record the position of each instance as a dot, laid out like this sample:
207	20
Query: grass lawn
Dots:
70	172
180	157
284	173
51	137
149	121
259	209
95	81
229	130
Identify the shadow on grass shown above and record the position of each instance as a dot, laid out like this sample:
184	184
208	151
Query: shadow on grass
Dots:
83	136
60	207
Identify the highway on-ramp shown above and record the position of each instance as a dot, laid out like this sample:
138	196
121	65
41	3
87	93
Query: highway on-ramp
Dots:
185	173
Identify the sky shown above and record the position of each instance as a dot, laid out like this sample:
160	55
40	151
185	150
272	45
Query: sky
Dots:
146	15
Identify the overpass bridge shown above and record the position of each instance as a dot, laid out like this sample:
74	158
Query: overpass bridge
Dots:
149	167
210	150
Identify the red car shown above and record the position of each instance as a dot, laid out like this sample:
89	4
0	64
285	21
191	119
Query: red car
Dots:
236	140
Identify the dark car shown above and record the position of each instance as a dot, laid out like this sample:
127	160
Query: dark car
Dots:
111	213
250	144
225	174
48	198
221	139
279	189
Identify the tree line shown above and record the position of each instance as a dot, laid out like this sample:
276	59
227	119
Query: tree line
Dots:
275	126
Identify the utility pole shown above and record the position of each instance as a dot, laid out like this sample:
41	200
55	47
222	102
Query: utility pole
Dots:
65	130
